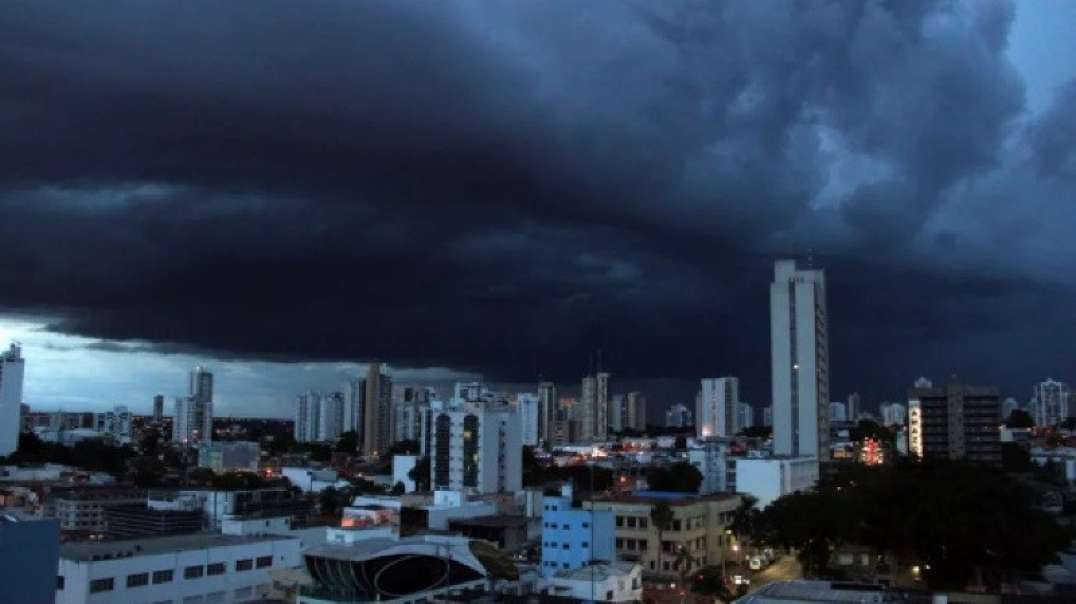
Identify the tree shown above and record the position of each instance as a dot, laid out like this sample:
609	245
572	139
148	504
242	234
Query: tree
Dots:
349	442
757	432
680	442
1015	458
1019	418
683	563
1069	423
398	489
200	476
744	518
421	474
680	477
330	500
661	516
403	447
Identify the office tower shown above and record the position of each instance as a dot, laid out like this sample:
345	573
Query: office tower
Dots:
12	366
677	416
377	414
618	414
476	447
193	421
855	407
745	418
354	396
1050	402
767	416
547	410
893	414
800	361
601	405
838	412
636	411
717	407
955	421
527	406
330	416
584	410
158	408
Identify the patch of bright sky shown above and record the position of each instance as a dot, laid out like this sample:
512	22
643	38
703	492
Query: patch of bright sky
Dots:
63	372
1042	45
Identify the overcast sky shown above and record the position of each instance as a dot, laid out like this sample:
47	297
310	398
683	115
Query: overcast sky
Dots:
286	192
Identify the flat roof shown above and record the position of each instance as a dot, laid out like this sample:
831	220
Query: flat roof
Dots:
85	551
498	520
598	571
670	498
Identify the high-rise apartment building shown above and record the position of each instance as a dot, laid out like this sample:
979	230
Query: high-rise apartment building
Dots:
1050	402
527	407
193	421
377	414
717	407
319	417
745	418
158	408
893	414
547	410
354	396
618	415
476	447
635	409
955	421
12	366
307	410
601	405
838	412
799	349
584	410
331	416
115	423
678	416
855	406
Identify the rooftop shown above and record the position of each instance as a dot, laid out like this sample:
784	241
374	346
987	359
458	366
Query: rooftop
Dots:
597	572
496	521
86	551
672	498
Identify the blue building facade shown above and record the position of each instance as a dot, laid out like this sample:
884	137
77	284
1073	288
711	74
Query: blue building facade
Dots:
29	559
573	537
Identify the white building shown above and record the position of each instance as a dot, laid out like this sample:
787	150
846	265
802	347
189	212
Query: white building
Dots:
354	395
318	417
1050	402
745	417
401	468
115	423
527	407
894	414
228	456
767	416
800	361
717	407
677	416
476	447
219	505
12	366
599	582
193	419
766	479
205	568
635	411
712	462
330	417
838	412
313	480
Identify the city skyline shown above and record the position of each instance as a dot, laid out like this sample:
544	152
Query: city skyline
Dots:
650	243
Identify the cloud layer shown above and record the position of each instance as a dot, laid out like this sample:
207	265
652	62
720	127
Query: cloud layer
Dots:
508	188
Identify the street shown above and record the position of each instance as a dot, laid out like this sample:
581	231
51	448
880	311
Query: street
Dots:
786	568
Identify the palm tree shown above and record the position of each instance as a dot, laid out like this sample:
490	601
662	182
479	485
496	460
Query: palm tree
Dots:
661	515
683	563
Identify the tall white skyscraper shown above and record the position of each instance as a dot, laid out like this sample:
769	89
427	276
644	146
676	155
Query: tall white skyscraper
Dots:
745	417
1050	402
193	420
601	405
353	400
476	447
799	347
12	366
717	407
331	416
307	417
547	410
527	407
584	411
635	411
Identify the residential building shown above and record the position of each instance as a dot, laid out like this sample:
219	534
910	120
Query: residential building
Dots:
377	411
158	408
601	405
220	504
573	537
617	413
180	568
745	417
412	421
1050	403
115	423
354	396
527	411
717	408
402	465
83	510
767	478
799	350
711	459
767	416
426	568
599	582
193	421
955	421
838	412
547	410
855	406
477	447
678	416
12	366
137	520
585	410
331	416
636	411
229	456
313	480
507	531
1007	407
307	421
29	556
700	524
893	414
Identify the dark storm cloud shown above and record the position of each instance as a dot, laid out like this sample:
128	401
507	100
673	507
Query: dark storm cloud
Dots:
507	188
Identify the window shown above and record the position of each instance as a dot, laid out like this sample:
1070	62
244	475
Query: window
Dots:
676	525
620	544
642	544
566	527
620	521
162	576
642	523
609	596
138	580
586	525
263	561
216	597
60	582
217	568
565	546
99	585
193	572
